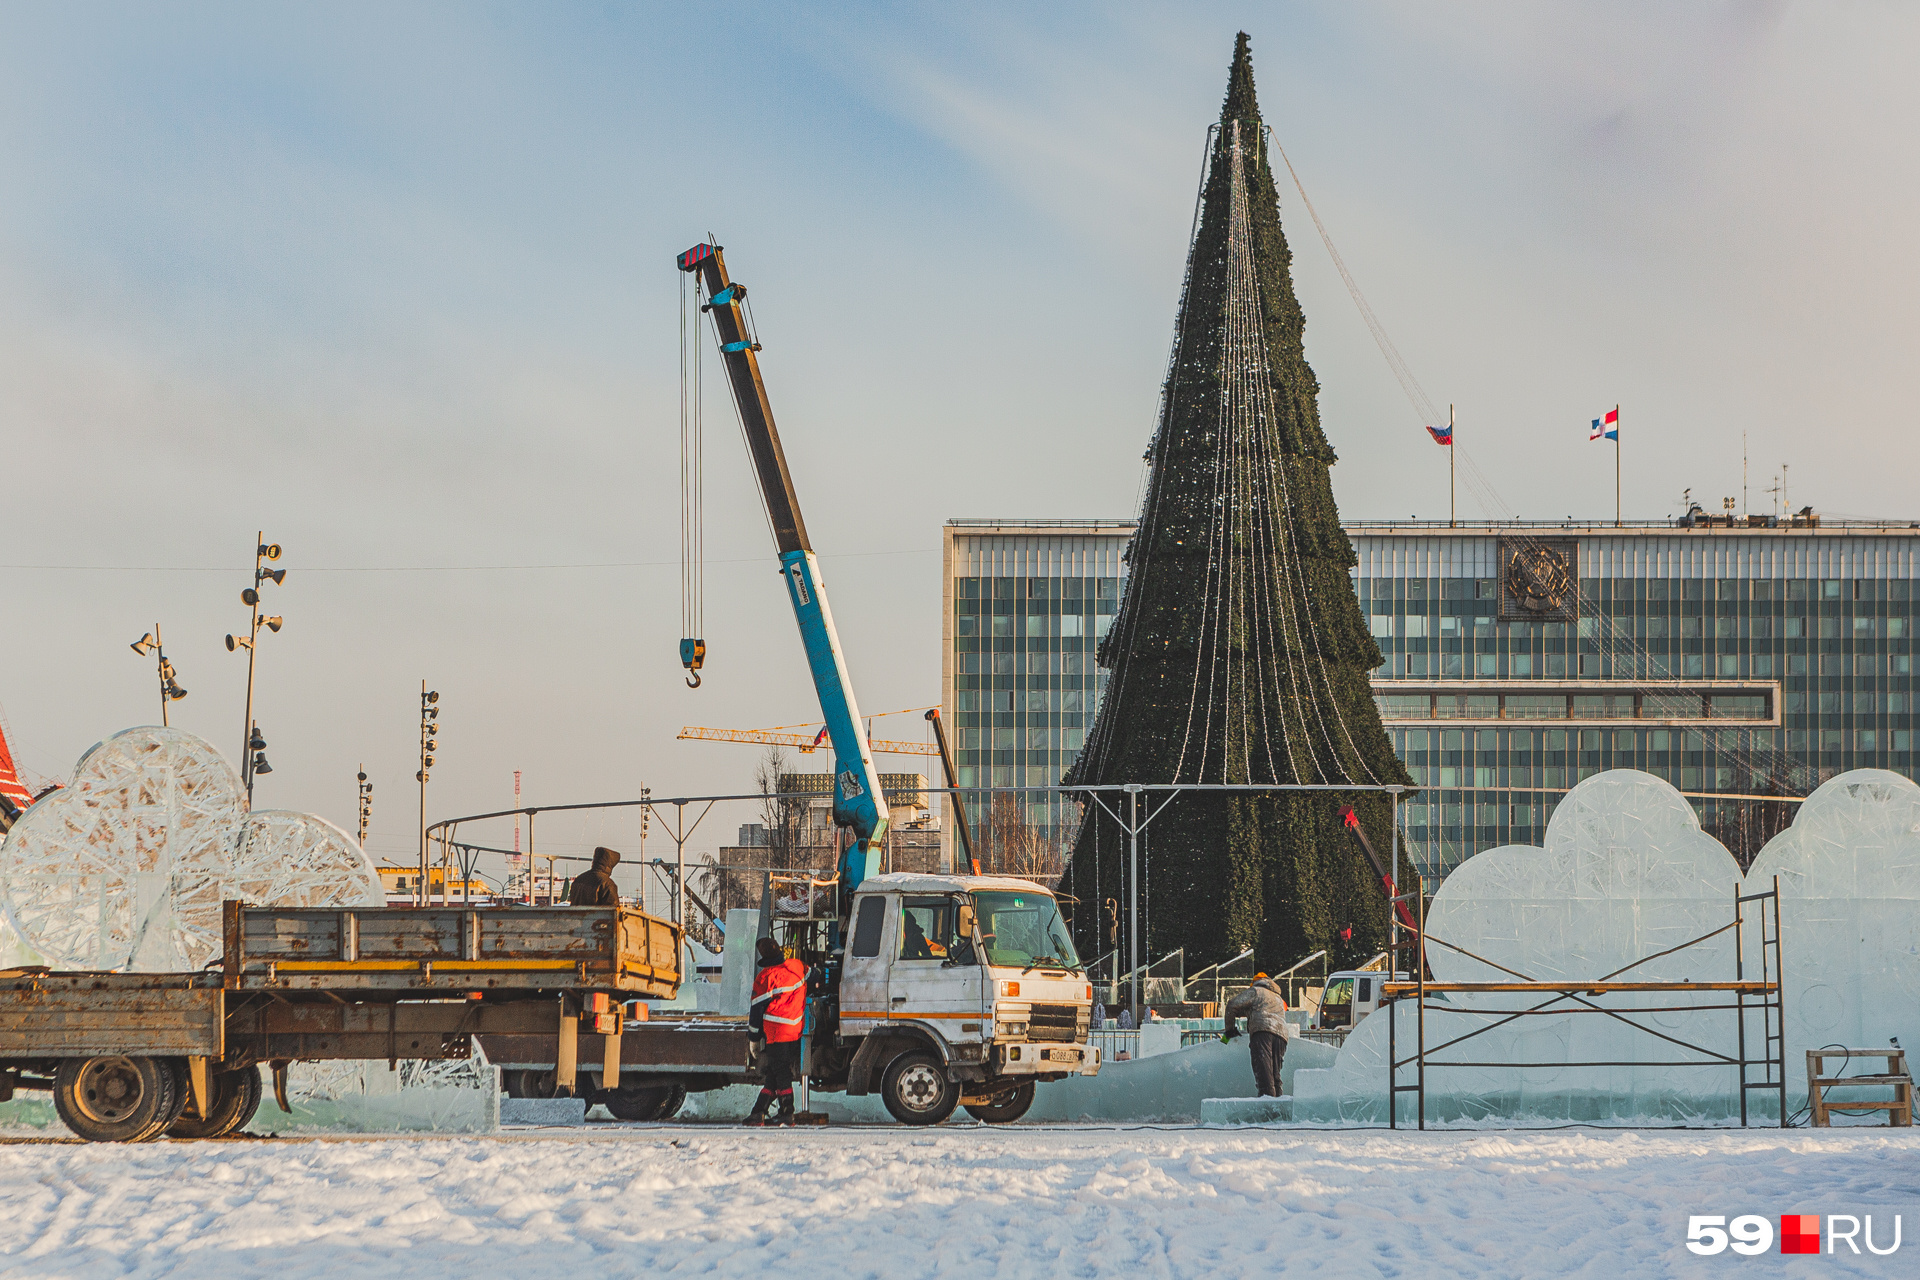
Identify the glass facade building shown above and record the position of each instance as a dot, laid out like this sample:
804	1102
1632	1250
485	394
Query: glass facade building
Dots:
1739	661
1027	603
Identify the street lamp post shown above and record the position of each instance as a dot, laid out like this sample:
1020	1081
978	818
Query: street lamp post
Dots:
170	690
254	759
366	805
429	725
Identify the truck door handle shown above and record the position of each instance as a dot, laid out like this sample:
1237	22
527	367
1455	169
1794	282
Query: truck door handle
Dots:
899	999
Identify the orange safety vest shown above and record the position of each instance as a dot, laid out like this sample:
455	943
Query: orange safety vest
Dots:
780	1000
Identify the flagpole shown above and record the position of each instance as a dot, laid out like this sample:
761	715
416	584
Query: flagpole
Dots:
1453	446
1616	466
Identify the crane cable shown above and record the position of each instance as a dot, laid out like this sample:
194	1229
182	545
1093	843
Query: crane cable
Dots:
693	517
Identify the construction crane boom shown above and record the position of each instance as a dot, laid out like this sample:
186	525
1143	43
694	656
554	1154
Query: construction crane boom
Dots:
857	801
880	746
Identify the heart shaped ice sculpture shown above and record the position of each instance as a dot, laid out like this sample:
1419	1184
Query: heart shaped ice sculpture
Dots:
126	867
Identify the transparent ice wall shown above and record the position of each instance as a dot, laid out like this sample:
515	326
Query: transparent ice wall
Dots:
1626	873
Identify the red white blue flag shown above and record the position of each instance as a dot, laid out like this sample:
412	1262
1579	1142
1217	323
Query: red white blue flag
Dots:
1441	435
1608	427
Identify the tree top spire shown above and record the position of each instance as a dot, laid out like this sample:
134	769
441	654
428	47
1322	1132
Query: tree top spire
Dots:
1241	102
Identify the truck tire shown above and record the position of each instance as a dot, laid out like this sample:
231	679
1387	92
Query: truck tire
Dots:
236	1096
917	1091
533	1082
115	1099
1006	1108
652	1102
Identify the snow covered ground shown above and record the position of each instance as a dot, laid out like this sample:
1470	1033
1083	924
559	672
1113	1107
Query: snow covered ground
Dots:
963	1200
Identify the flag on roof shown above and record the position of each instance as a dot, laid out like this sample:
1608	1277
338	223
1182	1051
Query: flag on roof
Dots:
1441	435
1607	427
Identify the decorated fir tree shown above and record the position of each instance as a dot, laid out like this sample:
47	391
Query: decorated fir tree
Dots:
1239	654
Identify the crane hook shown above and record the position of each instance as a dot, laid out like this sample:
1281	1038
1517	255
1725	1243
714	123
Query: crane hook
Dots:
693	653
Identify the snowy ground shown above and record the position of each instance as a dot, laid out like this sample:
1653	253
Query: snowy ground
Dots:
965	1200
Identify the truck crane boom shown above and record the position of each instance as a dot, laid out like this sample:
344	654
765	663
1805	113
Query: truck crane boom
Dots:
857	800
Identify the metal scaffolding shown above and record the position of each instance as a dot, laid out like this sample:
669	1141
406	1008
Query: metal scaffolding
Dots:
1760	995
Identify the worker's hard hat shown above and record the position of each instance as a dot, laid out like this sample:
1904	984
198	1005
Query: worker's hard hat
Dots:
1258	976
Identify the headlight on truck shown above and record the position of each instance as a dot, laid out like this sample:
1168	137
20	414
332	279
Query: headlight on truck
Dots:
1013	1030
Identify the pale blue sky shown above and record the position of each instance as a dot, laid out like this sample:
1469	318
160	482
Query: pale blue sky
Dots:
396	283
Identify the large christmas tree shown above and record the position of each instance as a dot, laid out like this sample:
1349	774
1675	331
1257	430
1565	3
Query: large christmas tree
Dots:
1239	654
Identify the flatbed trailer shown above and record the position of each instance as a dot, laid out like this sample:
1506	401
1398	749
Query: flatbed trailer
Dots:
129	1056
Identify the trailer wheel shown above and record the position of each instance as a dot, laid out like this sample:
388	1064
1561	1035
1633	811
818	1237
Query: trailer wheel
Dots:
236	1096
114	1099
657	1102
917	1091
1004	1109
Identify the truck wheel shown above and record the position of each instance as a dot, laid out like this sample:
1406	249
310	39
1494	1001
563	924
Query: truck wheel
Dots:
917	1091
657	1102
236	1096
114	1099
531	1083
1006	1108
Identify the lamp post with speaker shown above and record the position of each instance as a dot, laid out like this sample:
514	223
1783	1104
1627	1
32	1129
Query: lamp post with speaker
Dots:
366	805
170	690
429	727
254	759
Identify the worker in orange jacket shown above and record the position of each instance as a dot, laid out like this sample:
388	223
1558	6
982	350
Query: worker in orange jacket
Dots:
779	1013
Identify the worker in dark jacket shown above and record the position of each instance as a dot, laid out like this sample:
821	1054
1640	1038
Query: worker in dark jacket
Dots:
596	888
779	1013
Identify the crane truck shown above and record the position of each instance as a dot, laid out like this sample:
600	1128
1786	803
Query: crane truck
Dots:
933	990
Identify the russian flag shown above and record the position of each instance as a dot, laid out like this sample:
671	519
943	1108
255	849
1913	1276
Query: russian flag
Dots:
1607	427
1441	435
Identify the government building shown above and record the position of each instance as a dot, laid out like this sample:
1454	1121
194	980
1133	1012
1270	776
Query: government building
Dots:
1745	660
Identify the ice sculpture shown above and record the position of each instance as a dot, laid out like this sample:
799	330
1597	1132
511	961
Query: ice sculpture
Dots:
126	867
1849	870
1627	873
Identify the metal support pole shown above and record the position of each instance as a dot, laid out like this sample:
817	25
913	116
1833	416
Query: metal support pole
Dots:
1740	997
531	873
1420	1014
1133	897
253	648
1779	996
1393	950
679	880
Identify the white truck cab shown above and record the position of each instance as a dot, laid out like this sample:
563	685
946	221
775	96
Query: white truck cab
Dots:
961	990
1350	996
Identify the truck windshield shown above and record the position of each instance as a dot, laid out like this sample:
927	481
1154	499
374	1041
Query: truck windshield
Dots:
1024	929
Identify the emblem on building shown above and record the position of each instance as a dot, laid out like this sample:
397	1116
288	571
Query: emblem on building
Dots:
1539	580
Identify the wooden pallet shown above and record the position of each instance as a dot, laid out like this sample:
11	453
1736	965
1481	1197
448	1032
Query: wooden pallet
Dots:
1899	1111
